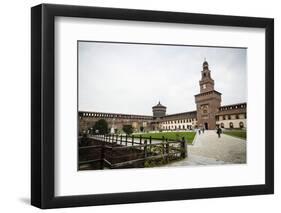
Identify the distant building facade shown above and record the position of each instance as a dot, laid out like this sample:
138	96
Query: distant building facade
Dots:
232	116
179	121
209	113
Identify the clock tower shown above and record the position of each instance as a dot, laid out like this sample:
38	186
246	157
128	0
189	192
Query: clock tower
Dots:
206	83
208	100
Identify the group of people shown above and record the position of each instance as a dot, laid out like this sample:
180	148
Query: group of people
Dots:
219	131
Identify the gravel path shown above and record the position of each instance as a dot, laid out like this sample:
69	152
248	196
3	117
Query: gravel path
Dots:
208	149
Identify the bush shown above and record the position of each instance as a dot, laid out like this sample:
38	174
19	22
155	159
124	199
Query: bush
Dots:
102	126
128	129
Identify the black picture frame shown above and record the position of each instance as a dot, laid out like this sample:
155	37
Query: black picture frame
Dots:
43	101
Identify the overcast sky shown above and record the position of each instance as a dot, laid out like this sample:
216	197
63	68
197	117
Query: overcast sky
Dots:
131	78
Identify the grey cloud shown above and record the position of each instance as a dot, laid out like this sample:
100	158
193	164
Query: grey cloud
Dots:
130	78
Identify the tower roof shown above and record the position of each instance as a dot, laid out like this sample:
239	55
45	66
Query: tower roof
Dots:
205	64
159	105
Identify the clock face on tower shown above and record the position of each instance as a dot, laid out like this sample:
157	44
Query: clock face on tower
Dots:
204	108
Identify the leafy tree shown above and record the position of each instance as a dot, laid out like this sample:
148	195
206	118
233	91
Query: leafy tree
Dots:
128	129
102	126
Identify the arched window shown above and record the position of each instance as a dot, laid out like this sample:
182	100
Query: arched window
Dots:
231	125
222	125
241	124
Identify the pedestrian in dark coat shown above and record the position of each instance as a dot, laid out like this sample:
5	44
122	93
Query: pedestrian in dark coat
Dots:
219	131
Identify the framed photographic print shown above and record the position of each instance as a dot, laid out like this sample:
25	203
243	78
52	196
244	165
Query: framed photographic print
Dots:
139	106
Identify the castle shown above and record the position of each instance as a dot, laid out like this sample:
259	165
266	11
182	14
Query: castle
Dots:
209	113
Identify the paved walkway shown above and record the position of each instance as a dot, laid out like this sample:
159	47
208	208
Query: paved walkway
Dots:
208	149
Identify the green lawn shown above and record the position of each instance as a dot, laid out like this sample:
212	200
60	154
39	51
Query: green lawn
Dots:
236	133
169	135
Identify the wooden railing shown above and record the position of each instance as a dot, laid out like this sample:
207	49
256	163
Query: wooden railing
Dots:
123	151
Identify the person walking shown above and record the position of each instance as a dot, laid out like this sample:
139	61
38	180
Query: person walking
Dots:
219	131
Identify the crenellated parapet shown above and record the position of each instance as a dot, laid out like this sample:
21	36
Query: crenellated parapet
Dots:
233	109
84	114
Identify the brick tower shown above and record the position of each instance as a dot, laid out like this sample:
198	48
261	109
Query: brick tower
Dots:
208	100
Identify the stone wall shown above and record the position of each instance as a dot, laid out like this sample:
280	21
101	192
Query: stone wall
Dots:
88	119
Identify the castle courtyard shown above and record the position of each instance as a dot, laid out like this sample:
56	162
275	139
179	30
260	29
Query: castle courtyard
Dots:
176	132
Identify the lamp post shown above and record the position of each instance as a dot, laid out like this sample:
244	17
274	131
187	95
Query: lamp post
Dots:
112	127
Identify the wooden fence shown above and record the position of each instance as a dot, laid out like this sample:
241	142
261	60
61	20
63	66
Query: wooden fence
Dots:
122	151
